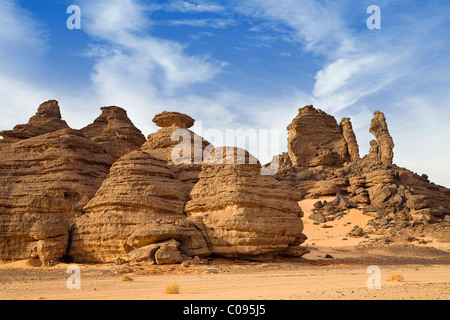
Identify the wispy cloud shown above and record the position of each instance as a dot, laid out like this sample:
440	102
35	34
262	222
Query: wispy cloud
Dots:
161	64
203	23
192	6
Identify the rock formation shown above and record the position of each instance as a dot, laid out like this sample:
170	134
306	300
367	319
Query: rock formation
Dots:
104	194
240	212
115	132
374	183
44	182
350	139
315	139
47	119
139	204
380	130
178	146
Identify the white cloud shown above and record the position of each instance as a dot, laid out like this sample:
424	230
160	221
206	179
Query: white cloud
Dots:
192	6
22	45
318	28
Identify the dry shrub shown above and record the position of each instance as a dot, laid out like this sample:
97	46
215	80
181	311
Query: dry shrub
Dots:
172	289
126	278
396	277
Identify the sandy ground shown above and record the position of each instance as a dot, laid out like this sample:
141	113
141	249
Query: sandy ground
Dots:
425	269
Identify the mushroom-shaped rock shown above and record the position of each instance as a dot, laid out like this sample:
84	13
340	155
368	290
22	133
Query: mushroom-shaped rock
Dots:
177	146
177	119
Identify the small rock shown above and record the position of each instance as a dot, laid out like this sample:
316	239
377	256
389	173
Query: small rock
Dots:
356	232
185	263
318	217
318	205
329	256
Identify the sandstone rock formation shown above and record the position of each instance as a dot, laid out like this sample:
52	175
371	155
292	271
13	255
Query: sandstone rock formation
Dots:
173	119
104	194
140	203
47	119
178	146
240	212
115	132
44	183
350	139
380	130
315	139
381	188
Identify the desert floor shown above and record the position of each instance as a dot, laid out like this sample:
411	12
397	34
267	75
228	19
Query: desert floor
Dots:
424	267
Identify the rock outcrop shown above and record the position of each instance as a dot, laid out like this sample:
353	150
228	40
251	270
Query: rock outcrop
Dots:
115	132
178	146
47	119
379	187
315	139
350	139
45	181
380	130
104	194
240	212
140	203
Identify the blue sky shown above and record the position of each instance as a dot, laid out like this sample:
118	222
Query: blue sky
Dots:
237	64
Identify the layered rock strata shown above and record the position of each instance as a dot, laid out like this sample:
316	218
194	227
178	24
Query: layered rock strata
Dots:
240	212
381	188
115	132
178	146
45	181
315	139
47	119
139	204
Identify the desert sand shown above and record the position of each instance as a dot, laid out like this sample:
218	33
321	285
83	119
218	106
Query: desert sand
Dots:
424	267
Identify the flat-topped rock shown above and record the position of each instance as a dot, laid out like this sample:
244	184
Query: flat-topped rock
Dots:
170	119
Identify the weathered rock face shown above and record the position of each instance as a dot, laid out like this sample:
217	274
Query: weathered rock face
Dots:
115	132
315	139
140	203
47	119
350	139
240	212
44	182
380	130
178	146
